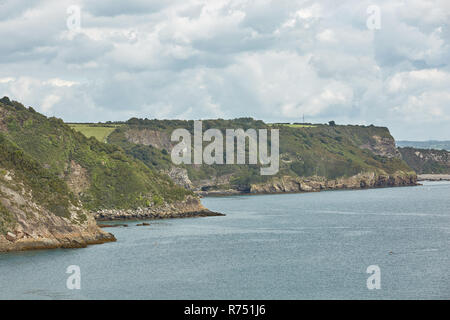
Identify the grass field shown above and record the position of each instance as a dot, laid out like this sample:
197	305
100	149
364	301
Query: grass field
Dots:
94	130
295	125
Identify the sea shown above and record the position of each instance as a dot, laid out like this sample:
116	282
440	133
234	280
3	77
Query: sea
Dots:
387	243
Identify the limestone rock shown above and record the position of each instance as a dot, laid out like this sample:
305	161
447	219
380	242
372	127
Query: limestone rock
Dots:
10	236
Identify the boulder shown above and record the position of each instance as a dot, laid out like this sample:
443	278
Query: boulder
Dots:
10	236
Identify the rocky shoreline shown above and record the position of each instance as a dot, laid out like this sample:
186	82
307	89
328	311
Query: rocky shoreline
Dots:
52	232
289	184
58	241
189	208
27	225
433	177
60	234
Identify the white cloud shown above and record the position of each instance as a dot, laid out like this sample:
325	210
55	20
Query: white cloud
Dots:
273	60
7	79
60	82
327	36
49	101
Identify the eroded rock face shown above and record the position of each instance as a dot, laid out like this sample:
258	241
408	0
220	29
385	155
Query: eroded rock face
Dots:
382	146
359	181
147	137
25	225
290	184
77	178
180	177
190	207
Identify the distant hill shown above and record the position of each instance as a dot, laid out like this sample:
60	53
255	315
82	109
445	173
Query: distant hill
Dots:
431	144
312	157
427	161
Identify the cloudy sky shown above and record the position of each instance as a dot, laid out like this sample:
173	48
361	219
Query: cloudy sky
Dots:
271	60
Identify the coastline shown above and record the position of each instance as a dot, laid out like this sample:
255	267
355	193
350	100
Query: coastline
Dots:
191	207
433	177
93	235
232	193
57	233
289	184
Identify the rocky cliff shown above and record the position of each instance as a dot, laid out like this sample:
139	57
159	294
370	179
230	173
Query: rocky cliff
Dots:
427	161
27	223
332	152
146	137
382	146
188	208
359	181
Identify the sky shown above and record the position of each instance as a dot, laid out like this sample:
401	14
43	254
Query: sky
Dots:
385	63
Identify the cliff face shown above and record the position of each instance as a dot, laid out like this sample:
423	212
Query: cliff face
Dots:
382	146
146	137
180	177
26	224
427	161
306	151
359	181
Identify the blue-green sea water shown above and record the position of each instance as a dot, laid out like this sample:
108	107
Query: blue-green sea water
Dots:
286	246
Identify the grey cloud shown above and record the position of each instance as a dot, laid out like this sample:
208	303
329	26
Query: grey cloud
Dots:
83	49
273	60
13	9
130	7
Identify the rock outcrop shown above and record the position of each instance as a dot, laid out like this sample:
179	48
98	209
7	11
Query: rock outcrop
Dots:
189	208
433	177
290	184
180	177
146	137
359	181
382	146
27	225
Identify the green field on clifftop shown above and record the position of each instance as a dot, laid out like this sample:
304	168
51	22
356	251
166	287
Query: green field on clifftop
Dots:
98	131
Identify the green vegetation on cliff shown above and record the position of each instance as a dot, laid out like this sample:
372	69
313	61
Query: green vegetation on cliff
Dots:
47	188
427	161
7	220
330	151
100	174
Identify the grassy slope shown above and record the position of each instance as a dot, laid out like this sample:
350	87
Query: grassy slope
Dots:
329	151
116	180
100	132
47	189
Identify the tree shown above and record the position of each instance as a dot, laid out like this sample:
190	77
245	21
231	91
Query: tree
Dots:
332	123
